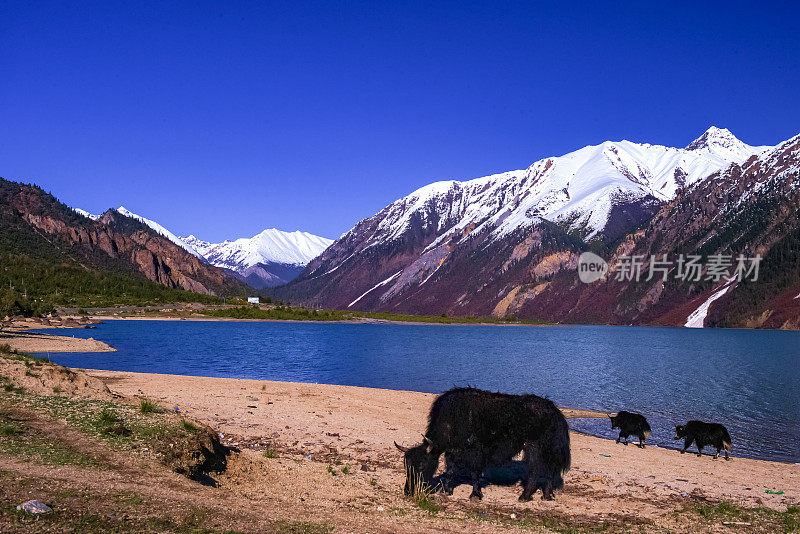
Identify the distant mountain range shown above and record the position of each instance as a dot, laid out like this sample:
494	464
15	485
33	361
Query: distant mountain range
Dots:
270	258
508	244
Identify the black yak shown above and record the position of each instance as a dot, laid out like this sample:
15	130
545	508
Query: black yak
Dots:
476	429
630	424
703	434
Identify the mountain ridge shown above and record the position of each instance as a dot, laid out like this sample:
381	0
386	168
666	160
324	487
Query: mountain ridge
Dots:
462	248
270	258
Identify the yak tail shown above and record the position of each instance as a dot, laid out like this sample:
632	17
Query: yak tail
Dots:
647	433
556	444
726	440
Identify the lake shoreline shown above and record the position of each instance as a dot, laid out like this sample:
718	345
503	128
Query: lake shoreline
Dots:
358	321
20	337
361	425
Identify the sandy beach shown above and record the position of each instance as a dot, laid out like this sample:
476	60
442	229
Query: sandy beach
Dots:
19	337
359	426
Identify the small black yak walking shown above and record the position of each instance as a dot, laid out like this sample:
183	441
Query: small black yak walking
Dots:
630	424
476	429
703	434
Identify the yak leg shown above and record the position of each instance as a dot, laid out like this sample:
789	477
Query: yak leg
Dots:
540	475
641	440
699	449
686	443
726	452
451	472
476	494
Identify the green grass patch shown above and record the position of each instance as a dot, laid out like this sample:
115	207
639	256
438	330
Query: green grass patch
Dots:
765	519
299	313
8	428
107	416
188	426
126	497
44	451
147	406
270	453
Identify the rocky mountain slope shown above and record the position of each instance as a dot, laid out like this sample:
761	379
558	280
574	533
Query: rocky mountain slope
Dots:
271	258
44	227
508	244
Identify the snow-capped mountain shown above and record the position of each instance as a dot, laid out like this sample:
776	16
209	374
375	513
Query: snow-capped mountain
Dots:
272	257
579	188
159	230
478	246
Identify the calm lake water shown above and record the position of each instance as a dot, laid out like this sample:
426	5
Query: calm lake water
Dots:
747	380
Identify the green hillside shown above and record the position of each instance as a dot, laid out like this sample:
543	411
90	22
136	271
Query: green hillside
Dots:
38	272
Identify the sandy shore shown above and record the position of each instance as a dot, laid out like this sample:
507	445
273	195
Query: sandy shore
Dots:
36	343
359	425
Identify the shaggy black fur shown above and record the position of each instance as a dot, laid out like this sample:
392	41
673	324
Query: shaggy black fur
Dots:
703	434
476	429
630	424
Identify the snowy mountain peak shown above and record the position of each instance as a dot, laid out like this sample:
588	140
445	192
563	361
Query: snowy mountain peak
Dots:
580	188
269	246
714	136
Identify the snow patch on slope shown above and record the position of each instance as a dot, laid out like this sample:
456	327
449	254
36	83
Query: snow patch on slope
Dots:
697	318
376	286
86	214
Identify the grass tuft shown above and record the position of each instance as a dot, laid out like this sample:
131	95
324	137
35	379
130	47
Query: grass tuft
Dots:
423	497
147	406
188	426
107	416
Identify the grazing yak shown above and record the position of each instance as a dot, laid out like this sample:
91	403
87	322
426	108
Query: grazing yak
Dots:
476	429
630	424
703	434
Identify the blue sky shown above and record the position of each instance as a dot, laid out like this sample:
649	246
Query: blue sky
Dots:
222	119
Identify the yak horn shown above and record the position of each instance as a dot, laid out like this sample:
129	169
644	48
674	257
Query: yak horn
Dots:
427	440
401	449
